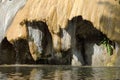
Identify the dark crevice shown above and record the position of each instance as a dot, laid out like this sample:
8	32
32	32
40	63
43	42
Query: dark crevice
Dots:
7	52
64	60
81	31
81	46
44	42
46	36
87	34
22	52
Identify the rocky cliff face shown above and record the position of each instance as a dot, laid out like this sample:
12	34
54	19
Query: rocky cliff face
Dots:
8	10
57	13
67	31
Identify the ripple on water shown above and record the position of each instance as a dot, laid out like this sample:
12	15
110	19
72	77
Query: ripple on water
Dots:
47	72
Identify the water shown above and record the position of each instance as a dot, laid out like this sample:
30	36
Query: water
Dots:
47	72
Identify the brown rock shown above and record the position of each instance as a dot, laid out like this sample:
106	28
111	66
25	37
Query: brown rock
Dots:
33	51
103	14
16	32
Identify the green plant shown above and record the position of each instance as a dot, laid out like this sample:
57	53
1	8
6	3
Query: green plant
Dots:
106	43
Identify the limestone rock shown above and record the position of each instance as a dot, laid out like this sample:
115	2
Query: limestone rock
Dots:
33	49
62	18
103	14
39	39
17	32
101	57
8	11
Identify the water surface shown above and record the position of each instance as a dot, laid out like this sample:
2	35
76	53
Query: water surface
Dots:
48	72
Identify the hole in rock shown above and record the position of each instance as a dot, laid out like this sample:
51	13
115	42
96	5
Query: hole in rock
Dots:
40	41
22	52
39	45
86	36
7	52
17	53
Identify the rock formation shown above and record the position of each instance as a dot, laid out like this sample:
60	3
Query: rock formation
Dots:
67	31
8	10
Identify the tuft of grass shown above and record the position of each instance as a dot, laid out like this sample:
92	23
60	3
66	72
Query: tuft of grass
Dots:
106	43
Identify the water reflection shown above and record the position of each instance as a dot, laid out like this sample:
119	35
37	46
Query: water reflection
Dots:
58	73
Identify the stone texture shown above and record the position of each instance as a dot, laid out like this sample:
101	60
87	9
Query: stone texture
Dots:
33	49
39	39
7	52
64	19
8	11
101	57
103	14
17	32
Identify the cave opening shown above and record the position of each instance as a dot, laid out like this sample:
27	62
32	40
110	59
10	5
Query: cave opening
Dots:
41	37
87	36
38	47
16	53
7	52
40	41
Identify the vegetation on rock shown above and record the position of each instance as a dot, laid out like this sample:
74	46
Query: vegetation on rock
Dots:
107	44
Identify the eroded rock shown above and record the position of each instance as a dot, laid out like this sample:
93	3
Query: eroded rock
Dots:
16	33
39	38
70	26
102	58
8	11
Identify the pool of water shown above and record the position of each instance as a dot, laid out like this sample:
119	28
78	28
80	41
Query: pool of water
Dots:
48	72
